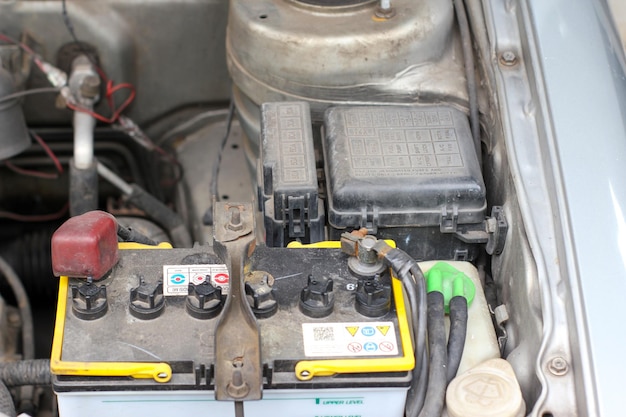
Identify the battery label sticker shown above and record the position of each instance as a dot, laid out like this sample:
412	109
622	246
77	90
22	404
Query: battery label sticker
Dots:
176	278
350	339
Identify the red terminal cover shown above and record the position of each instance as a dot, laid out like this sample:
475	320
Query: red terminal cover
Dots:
85	246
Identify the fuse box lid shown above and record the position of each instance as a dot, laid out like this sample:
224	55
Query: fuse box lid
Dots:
393	166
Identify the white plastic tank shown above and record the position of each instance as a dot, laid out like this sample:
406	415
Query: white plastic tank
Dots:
481	343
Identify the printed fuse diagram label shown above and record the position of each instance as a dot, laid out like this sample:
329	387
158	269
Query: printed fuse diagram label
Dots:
176	278
350	339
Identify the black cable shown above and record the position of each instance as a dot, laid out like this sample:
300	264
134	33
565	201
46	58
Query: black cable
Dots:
207	219
437	376
470	74
69	25
458	332
417	392
418	396
407	270
128	234
171	221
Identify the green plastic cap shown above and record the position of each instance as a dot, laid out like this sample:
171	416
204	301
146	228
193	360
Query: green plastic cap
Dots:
451	282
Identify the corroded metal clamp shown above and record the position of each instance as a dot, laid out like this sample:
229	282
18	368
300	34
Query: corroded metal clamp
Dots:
238	369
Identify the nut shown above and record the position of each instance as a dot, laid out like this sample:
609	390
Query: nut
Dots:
384	13
90	86
558	366
508	58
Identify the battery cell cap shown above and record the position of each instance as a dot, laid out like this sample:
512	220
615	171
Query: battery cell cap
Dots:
85	246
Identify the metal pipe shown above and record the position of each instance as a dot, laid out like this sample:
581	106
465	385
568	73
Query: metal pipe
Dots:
84	125
114	179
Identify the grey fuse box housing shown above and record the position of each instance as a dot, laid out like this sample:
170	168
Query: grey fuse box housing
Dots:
288	189
397	169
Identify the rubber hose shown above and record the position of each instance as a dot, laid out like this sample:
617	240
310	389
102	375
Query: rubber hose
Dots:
27	372
458	332
7	407
31	269
163	215
28	330
437	381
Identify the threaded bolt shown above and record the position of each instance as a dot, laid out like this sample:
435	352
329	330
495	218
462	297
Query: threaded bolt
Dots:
508	58
558	366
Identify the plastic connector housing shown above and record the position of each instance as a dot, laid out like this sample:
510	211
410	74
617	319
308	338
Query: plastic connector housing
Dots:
85	246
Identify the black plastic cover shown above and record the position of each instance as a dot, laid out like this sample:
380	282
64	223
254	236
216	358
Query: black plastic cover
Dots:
399	166
288	189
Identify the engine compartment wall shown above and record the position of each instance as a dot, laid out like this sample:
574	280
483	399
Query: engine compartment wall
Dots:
140	42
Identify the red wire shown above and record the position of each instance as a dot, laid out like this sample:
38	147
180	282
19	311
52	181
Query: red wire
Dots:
35	217
31	173
110	88
38	174
22	45
47	149
110	91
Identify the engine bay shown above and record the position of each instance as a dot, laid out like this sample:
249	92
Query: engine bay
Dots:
298	177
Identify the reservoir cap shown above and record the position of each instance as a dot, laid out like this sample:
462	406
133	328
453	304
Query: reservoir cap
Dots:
487	390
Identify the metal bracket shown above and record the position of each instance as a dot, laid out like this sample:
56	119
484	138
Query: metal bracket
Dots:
238	369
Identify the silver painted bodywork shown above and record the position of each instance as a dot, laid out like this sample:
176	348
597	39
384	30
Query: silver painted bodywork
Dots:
584	83
563	114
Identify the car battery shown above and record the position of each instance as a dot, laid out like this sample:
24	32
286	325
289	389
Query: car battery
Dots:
141	340
406	173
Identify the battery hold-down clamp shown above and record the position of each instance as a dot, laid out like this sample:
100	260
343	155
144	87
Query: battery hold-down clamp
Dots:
238	369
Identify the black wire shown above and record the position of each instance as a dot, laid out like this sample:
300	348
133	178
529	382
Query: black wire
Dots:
207	219
70	28
407	270
418	395
470	74
216	167
68	23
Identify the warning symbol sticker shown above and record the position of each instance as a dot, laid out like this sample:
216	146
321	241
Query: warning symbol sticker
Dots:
350	339
355	347
352	329
176	278
386	346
